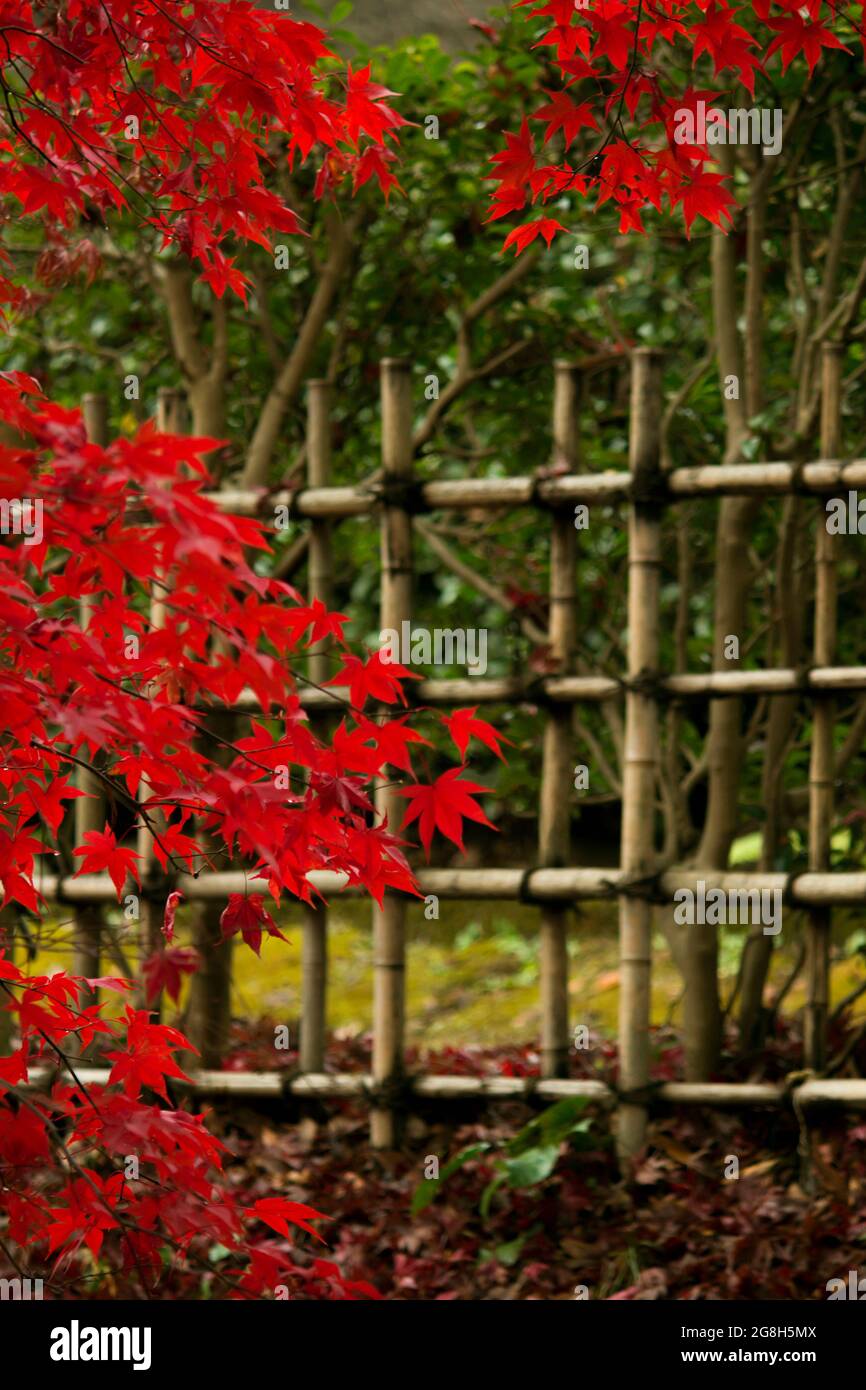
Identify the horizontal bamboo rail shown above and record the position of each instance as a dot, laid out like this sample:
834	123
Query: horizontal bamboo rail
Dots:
712	685
533	885
274	1086
819	478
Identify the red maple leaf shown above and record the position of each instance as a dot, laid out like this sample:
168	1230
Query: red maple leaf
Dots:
376	678
278	1212
366	109
48	801
728	43
392	741
164	970
324	623
443	806
516	163
705	195
795	35
103	852
147	1058
614	25
462	725
247	914
561	113
520	237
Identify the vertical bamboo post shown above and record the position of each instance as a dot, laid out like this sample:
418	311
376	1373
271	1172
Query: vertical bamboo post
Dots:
389	921
822	758
169	420
640	757
208	1009
554	822
314	953
89	809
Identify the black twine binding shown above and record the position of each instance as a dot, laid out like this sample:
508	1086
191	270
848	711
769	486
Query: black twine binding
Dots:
788	899
405	493
394	1093
638	1095
649	490
648	683
803	672
524	892
646	887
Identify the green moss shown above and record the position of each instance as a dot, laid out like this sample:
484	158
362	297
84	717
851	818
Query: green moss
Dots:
472	976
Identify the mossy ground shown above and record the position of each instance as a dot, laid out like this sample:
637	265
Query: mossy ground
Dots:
473	975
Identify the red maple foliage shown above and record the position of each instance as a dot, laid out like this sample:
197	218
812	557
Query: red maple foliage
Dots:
100	1176
174	110
127	699
618	120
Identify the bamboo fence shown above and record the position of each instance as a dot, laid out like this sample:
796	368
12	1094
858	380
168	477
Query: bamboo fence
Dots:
552	884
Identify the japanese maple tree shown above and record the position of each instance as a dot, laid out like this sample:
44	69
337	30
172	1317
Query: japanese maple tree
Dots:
609	132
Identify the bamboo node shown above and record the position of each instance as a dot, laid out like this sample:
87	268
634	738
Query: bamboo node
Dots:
534	692
392	1093
647	887
649	490
649	683
396	491
639	1095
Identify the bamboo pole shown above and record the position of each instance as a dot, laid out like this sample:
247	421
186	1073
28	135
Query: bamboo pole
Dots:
169	420
822	758
554	812
208	1009
640	756
843	1093
835	889
89	809
389	921
708	685
314	955
821	477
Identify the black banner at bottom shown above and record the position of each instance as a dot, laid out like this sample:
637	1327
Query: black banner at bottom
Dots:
65	1340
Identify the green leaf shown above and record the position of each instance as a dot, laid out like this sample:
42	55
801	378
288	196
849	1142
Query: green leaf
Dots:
509	1252
341	11
426	1191
551	1126
531	1167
